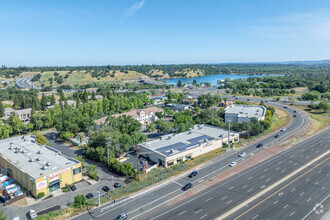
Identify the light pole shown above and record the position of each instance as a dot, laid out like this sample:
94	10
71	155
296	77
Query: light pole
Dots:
228	148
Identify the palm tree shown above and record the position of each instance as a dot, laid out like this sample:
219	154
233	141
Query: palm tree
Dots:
80	136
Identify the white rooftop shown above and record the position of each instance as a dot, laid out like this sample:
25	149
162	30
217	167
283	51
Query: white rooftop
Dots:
249	111
32	158
174	143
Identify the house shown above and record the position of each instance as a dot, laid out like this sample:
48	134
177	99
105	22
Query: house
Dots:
144	116
172	149
23	114
178	107
240	113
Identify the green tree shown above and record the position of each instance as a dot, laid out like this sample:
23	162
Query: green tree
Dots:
79	201
36	119
163	126
2	110
179	83
324	106
81	159
16	123
52	99
151	127
43	102
41	139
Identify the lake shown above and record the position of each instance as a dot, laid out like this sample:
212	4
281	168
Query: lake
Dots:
212	79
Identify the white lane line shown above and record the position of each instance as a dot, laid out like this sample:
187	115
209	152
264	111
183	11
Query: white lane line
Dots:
295	164
323	188
316	183
250	177
301	193
314	208
200	180
177	183
250	190
307	157
282	171
266	169
292	213
255	217
307	180
232	187
290	161
285	206
199	211
229	202
262	177
293	189
244	186
267	179
309	199
181	213
203	216
208	199
280	162
224	197
277	168
275	202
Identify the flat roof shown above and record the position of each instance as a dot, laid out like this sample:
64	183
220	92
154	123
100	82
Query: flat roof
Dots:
32	158
249	111
175	143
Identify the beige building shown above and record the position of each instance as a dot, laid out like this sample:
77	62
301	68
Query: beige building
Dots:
175	148
144	116
23	114
240	113
37	168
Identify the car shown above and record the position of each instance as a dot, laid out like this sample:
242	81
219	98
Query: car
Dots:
283	129
236	98
32	214
194	173
117	185
260	145
73	188
294	111
232	164
122	216
277	136
266	101
90	196
106	188
295	116
187	186
242	154
248	100
285	107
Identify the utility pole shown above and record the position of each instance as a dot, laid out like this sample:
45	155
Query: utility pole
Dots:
229	135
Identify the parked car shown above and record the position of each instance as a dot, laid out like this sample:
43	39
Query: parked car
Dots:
187	186
242	154
295	116
117	185
232	164
73	188
277	136
106	188
194	173
122	216
90	196
260	145
283	129
294	111
32	214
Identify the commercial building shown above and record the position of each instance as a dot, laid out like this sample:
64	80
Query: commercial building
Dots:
175	148
241	113
144	116
37	168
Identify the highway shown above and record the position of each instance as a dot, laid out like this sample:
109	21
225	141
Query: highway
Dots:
151	199
282	202
26	83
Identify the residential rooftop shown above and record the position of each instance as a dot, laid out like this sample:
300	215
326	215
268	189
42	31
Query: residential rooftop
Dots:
174	143
33	158
249	111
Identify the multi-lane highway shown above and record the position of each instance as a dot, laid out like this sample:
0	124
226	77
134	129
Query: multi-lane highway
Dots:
149	203
26	83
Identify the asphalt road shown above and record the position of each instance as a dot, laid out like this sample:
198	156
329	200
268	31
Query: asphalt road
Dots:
220	198
26	83
137	205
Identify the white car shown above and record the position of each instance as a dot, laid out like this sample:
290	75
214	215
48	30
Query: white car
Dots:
242	154
232	164
32	214
283	129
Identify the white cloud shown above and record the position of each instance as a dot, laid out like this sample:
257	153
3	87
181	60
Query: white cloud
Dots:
313	26
132	10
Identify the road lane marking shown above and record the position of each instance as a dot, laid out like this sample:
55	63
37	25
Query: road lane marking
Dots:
323	188
314	208
255	217
267	179
229	202
203	216
293	189
309	199
244	186
250	190
224	197
232	187
275	202
246	202
181	213
177	183
285	206
301	193
307	180
199	211
250	177
208	199
292	213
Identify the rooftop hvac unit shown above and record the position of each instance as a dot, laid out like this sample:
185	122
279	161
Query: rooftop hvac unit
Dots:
39	152
38	159
22	151
16	151
31	160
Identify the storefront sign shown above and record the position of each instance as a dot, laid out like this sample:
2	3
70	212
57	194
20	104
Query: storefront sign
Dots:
52	178
77	170
58	172
41	184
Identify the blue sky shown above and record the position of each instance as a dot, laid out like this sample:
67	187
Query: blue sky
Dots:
97	32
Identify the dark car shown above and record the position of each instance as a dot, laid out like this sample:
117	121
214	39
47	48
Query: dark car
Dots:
295	116
260	145
73	188
117	185
90	196
294	111
277	136
121	216
285	107
248	100
187	186
194	173
106	188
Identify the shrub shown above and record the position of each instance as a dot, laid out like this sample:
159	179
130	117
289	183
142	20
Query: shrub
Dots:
65	190
66	135
79	201
40	195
